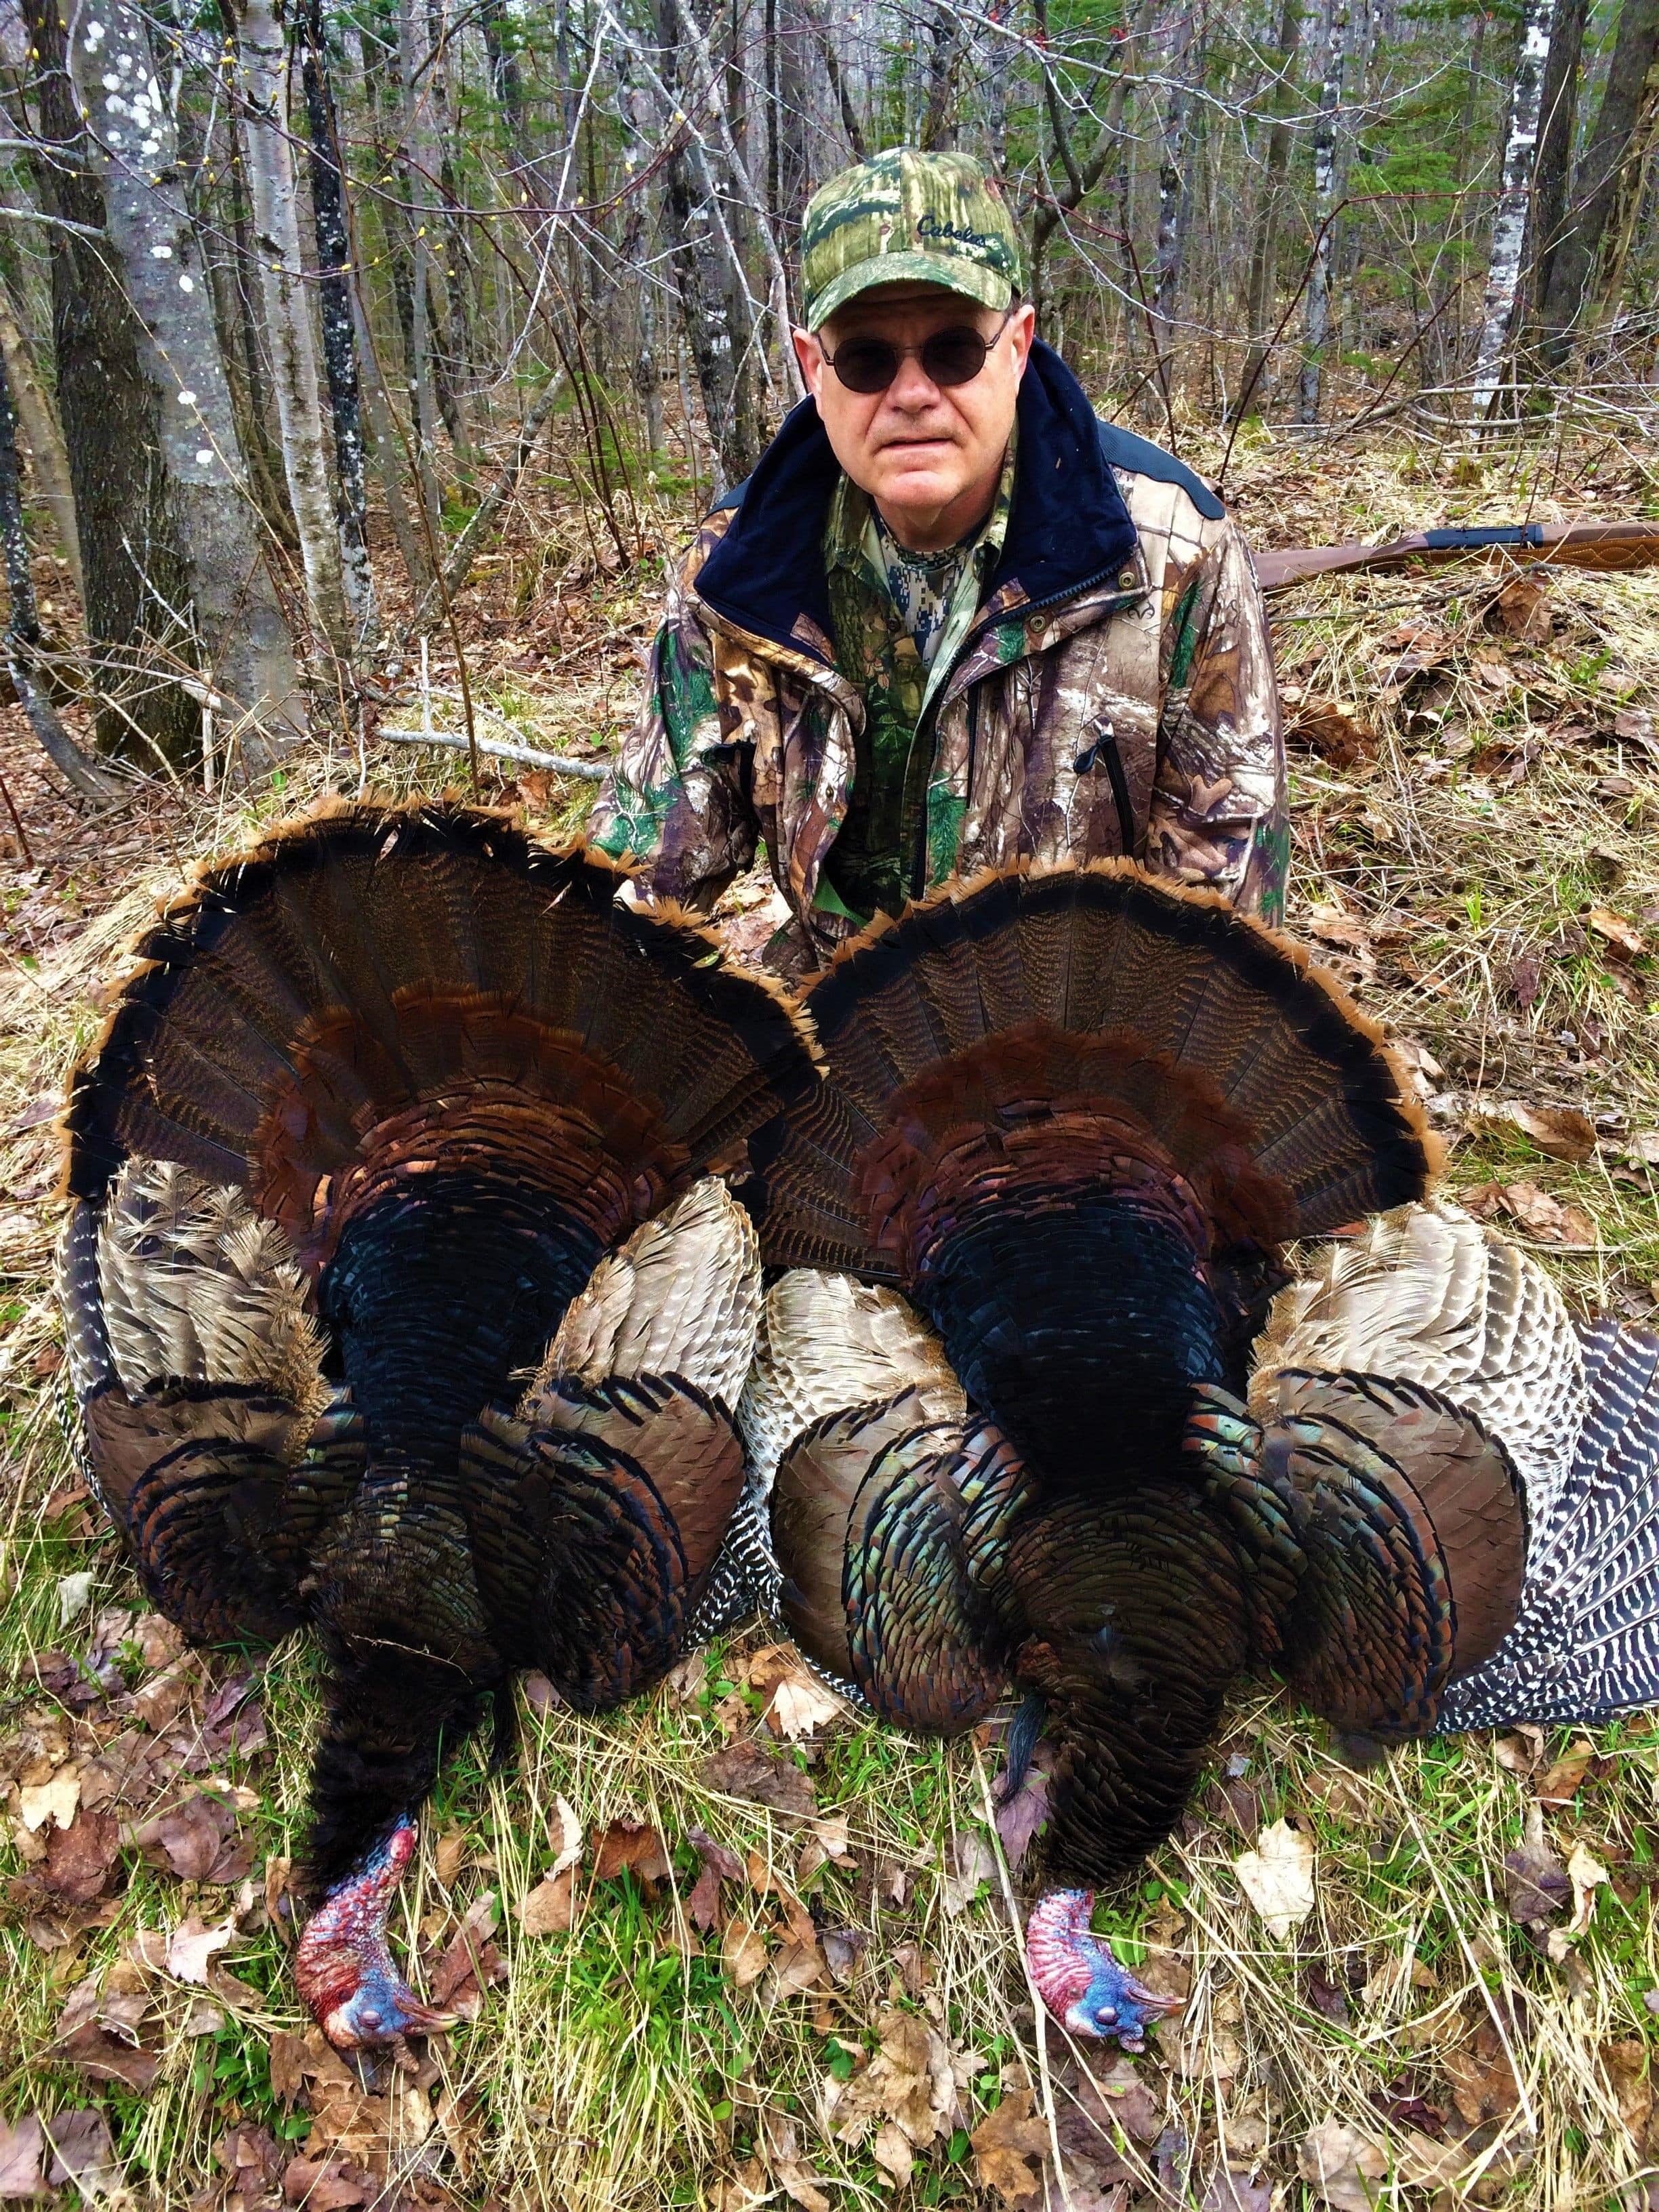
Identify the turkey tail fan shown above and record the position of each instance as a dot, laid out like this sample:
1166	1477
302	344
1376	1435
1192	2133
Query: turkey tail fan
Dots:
1586	1644
355	969
1167	1088
1244	1059
1427	1295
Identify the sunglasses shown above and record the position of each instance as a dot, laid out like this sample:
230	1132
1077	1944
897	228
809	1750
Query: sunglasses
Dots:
949	358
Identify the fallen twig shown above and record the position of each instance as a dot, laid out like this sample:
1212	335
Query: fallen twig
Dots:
585	771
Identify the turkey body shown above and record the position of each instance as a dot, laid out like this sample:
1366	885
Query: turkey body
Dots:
400	1299
1069	1123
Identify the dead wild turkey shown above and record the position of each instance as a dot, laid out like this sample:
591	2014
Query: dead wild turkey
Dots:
1072	1118
400	1297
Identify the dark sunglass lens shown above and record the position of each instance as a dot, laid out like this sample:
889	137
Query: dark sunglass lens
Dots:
865	365
954	357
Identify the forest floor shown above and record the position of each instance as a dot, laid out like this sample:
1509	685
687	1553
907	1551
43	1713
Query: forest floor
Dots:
779	1959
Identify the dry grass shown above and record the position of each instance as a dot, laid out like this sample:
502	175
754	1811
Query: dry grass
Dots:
620	2066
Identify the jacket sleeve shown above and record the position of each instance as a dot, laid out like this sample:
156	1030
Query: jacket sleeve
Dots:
677	799
1219	814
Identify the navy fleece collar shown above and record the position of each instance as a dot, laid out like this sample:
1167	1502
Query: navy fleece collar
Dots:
1068	531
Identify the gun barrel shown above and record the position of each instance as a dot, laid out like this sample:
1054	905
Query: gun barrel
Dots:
1607	546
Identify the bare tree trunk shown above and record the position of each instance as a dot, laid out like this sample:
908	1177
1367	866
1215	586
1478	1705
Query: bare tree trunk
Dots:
1264	245
419	164
112	435
1317	309
1595	187
23	622
243	638
1557	134
42	435
1509	229
1172	184
339	338
262	67
1635	174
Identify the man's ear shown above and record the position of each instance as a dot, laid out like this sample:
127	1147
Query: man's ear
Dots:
1020	331
810	353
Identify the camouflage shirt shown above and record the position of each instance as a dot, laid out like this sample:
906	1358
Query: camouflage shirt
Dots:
896	618
1112	690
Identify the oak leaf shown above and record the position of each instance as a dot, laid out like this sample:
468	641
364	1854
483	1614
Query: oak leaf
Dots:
1003	2144
1278	1877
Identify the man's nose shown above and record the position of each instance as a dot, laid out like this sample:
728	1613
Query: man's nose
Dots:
912	389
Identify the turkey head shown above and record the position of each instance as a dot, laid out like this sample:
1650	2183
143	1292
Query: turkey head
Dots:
400	1299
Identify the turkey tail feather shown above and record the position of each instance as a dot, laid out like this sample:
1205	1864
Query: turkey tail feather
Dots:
1586	1644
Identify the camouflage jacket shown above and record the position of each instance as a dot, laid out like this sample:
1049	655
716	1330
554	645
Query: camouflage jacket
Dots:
1114	694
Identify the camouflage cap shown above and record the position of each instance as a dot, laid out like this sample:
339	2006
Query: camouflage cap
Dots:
908	218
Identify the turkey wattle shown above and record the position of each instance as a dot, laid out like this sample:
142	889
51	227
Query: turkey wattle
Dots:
402	1297
1071	1118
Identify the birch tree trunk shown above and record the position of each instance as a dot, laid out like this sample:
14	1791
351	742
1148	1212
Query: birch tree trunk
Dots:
339	337
1317	315
1509	230
245	649
262	73
110	410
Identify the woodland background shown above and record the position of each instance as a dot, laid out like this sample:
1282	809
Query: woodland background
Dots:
292	305
366	368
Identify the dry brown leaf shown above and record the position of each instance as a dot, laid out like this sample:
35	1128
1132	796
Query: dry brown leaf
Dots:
971	1861
1005	2142
80	1858
910	2080
1336	733
288	2060
1559	1784
781	2146
1278	1877
194	1945
1523	608
449	1854
22	2158
564	1833
1623	940
631	1847
328	2185
763	1778
743	1952
1547	1219
891	2149
1483	2082
1342	2166
1562	1132
550	1908
1625	2063
55	1799
198	1842
703	1904
1587	1875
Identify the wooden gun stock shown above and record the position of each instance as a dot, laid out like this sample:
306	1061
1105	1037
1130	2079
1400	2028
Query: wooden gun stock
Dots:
1604	545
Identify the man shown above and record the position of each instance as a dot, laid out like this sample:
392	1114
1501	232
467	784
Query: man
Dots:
952	620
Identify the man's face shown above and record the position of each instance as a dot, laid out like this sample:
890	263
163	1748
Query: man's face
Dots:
928	454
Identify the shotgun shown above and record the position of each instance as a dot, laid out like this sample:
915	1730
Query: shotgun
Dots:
1604	545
